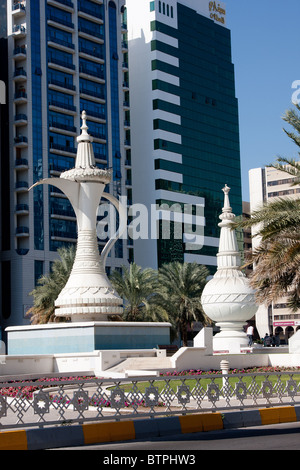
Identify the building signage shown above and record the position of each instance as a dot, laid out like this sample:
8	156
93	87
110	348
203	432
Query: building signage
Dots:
216	12
286	323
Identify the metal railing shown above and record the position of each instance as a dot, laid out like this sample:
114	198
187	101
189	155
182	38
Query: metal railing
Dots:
62	401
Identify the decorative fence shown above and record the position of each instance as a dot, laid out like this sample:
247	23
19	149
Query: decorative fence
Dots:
59	402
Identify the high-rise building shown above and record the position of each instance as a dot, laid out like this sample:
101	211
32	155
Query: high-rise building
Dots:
184	128
64	56
4	161
265	184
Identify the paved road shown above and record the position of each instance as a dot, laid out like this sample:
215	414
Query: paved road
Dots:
273	437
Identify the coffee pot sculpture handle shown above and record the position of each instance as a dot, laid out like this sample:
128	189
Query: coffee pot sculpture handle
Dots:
122	210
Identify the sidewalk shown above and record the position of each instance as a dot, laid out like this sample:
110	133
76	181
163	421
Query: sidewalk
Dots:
96	433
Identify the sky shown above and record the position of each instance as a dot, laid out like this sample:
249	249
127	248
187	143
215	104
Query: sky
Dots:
265	37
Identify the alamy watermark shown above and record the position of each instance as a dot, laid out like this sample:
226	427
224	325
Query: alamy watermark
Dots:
165	222
296	94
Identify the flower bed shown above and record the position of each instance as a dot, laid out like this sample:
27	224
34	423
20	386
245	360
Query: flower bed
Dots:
250	370
19	388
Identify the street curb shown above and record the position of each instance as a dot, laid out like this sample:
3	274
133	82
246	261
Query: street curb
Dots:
97	433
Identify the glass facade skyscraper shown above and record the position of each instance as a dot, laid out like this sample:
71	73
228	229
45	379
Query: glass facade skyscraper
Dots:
63	57
185	130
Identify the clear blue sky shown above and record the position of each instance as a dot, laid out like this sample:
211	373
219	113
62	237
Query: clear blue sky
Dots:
266	54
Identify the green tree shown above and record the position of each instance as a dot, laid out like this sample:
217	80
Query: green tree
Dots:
179	294
49	286
276	259
290	165
138	287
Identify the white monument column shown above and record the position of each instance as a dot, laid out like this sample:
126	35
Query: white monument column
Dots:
227	298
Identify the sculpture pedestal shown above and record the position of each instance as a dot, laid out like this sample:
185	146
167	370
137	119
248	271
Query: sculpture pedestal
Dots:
55	338
231	339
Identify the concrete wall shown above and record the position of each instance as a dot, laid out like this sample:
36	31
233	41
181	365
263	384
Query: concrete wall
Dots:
99	362
95	362
83	337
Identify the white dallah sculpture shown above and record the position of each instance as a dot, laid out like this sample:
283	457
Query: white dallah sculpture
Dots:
88	294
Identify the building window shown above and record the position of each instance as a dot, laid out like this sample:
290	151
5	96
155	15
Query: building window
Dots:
88	27
119	249
6	289
38	270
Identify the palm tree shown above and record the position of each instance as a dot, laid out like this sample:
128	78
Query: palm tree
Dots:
276	259
290	165
138	287
49	286
276	272
280	215
179	294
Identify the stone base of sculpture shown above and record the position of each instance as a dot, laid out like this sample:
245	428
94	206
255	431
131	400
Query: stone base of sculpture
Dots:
84	337
230	340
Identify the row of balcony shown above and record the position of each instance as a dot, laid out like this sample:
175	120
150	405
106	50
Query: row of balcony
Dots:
70	4
62	126
61	105
20	75
20	51
70	26
22	163
22	231
20	31
18	9
70	107
20	119
83	69
66	3
22	141
94	13
21	96
21	186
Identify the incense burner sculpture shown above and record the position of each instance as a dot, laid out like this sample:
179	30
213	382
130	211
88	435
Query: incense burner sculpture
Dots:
227	298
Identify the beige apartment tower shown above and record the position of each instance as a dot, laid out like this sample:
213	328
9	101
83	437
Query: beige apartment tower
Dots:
265	184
